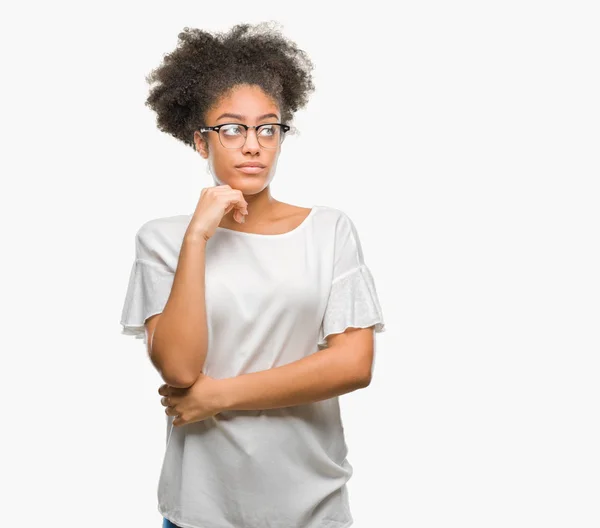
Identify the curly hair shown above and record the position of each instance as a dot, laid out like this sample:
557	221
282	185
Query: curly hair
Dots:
205	67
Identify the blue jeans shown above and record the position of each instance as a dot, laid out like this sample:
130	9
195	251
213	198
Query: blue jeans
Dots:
168	524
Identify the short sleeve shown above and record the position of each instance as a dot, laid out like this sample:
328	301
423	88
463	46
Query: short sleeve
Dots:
353	299
150	283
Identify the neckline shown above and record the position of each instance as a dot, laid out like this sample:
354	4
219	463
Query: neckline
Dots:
275	235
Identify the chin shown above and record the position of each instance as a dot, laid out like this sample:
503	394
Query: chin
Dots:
248	184
252	181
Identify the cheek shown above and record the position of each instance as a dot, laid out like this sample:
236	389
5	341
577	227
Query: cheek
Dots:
222	163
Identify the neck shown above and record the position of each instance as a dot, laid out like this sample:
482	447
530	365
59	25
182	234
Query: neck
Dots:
260	206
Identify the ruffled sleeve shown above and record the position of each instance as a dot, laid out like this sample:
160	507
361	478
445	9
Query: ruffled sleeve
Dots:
149	286
353	300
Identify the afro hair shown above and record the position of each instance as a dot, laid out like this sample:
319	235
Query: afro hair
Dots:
204	67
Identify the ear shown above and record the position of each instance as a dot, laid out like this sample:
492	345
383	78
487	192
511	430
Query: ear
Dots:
201	144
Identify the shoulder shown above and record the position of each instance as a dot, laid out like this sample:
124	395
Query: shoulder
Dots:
332	215
336	221
163	227
341	240
160	239
343	230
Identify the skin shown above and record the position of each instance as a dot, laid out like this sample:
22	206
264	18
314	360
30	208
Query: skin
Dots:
341	368
266	215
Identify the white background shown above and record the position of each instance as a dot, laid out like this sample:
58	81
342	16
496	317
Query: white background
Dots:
461	138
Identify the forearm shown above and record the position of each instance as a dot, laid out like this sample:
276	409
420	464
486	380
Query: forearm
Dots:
180	339
322	375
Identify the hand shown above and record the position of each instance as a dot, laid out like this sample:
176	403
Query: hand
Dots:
193	404
214	203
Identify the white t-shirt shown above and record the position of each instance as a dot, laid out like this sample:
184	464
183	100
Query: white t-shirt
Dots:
270	300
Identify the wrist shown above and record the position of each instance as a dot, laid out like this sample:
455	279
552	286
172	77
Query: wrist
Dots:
195	238
226	399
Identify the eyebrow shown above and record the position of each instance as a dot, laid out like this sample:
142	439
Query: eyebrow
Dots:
241	117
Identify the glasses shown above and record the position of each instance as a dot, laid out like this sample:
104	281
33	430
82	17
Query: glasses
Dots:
233	135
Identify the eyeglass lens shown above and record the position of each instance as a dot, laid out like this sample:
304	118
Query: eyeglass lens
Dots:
234	136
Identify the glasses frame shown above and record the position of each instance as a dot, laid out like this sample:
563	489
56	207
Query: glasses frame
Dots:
216	128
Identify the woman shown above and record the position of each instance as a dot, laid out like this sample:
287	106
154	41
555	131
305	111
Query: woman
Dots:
258	314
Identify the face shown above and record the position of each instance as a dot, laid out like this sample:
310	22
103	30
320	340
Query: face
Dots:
254	108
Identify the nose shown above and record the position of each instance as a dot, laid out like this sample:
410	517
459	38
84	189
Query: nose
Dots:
251	144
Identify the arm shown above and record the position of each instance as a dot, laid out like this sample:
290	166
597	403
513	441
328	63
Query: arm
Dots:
342	367
179	341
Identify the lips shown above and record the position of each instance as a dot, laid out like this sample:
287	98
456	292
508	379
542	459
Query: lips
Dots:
250	164
250	169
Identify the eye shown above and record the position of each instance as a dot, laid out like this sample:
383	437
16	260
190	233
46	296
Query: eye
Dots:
231	130
267	130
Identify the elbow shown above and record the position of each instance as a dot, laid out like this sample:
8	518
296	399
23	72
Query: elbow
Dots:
361	378
364	381
174	373
178	380
364	374
178	377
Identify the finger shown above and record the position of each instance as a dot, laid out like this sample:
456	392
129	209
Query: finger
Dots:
244	206
238	206
163	390
171	400
236	198
239	217
177	391
178	420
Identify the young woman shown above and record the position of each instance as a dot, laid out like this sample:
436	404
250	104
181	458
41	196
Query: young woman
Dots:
257	313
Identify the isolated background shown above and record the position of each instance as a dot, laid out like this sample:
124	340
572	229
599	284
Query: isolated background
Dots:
461	138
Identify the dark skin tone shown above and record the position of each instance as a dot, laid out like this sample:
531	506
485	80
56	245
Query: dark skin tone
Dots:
266	215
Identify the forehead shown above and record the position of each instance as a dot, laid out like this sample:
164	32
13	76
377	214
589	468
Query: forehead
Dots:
245	103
